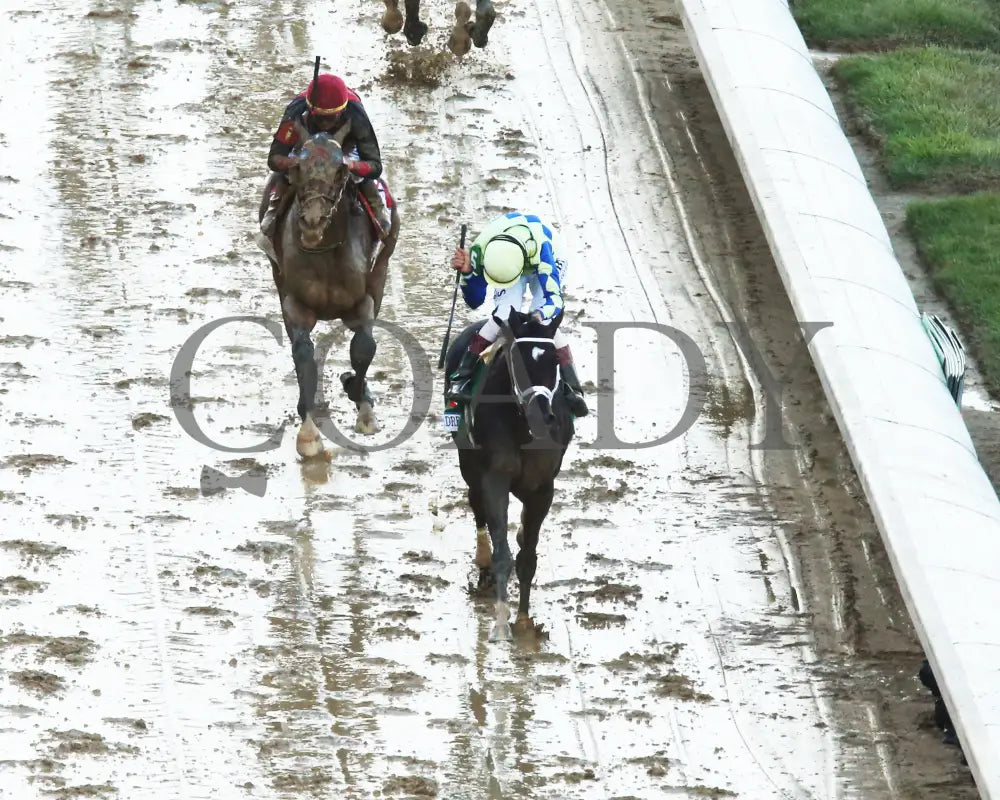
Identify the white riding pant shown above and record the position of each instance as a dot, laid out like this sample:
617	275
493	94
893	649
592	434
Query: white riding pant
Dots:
504	300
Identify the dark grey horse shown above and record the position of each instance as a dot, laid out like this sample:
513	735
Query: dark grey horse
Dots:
329	268
519	434
464	32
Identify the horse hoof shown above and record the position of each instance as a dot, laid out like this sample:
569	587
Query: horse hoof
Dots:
482	27
460	42
308	442
500	632
392	19
365	425
524	624
308	447
527	631
415	32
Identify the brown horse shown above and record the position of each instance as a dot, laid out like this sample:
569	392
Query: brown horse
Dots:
329	267
461	35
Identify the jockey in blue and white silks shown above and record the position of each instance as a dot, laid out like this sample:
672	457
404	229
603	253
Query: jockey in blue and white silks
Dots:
514	252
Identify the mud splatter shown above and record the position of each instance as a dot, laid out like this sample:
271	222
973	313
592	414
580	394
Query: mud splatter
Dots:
147	419
26	463
410	785
18	584
34	550
421	67
38	681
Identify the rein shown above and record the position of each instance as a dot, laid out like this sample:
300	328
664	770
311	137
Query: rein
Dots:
524	395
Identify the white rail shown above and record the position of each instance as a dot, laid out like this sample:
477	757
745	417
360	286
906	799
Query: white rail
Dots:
936	510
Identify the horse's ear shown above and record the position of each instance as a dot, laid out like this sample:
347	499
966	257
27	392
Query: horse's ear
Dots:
342	132
507	325
558	318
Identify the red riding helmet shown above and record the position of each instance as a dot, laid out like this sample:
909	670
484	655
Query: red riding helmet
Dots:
329	95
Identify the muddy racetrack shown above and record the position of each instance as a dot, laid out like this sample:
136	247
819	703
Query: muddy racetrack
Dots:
721	621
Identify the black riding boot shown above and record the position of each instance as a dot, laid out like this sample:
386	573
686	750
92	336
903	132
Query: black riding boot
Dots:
574	392
370	190
264	237
461	378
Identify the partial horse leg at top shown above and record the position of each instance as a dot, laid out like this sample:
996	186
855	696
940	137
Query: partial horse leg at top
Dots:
362	354
460	40
414	30
496	498
535	507
392	19
299	322
485	14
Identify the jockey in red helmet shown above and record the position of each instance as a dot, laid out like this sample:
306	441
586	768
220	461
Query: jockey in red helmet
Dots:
325	105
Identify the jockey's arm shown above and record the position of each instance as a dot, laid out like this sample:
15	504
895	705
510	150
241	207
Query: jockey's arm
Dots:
549	279
474	286
279	162
369	163
285	138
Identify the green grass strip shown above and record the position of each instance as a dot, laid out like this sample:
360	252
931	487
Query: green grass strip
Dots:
884	24
959	239
934	112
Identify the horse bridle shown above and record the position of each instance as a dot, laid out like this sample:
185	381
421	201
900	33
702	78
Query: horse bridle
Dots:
326	218
524	396
305	199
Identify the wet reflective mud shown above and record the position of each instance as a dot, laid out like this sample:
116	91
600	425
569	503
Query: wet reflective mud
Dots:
322	640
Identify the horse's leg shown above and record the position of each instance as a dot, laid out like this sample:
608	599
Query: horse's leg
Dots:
414	29
535	507
392	19
299	322
471	474
484	548
496	498
485	14
362	354
460	41
375	282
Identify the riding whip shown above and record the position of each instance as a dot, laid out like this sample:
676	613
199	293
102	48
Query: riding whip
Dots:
454	298
312	93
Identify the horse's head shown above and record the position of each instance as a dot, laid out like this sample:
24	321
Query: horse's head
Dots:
320	177
532	363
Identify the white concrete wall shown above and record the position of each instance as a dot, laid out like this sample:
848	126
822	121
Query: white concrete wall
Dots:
937	512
